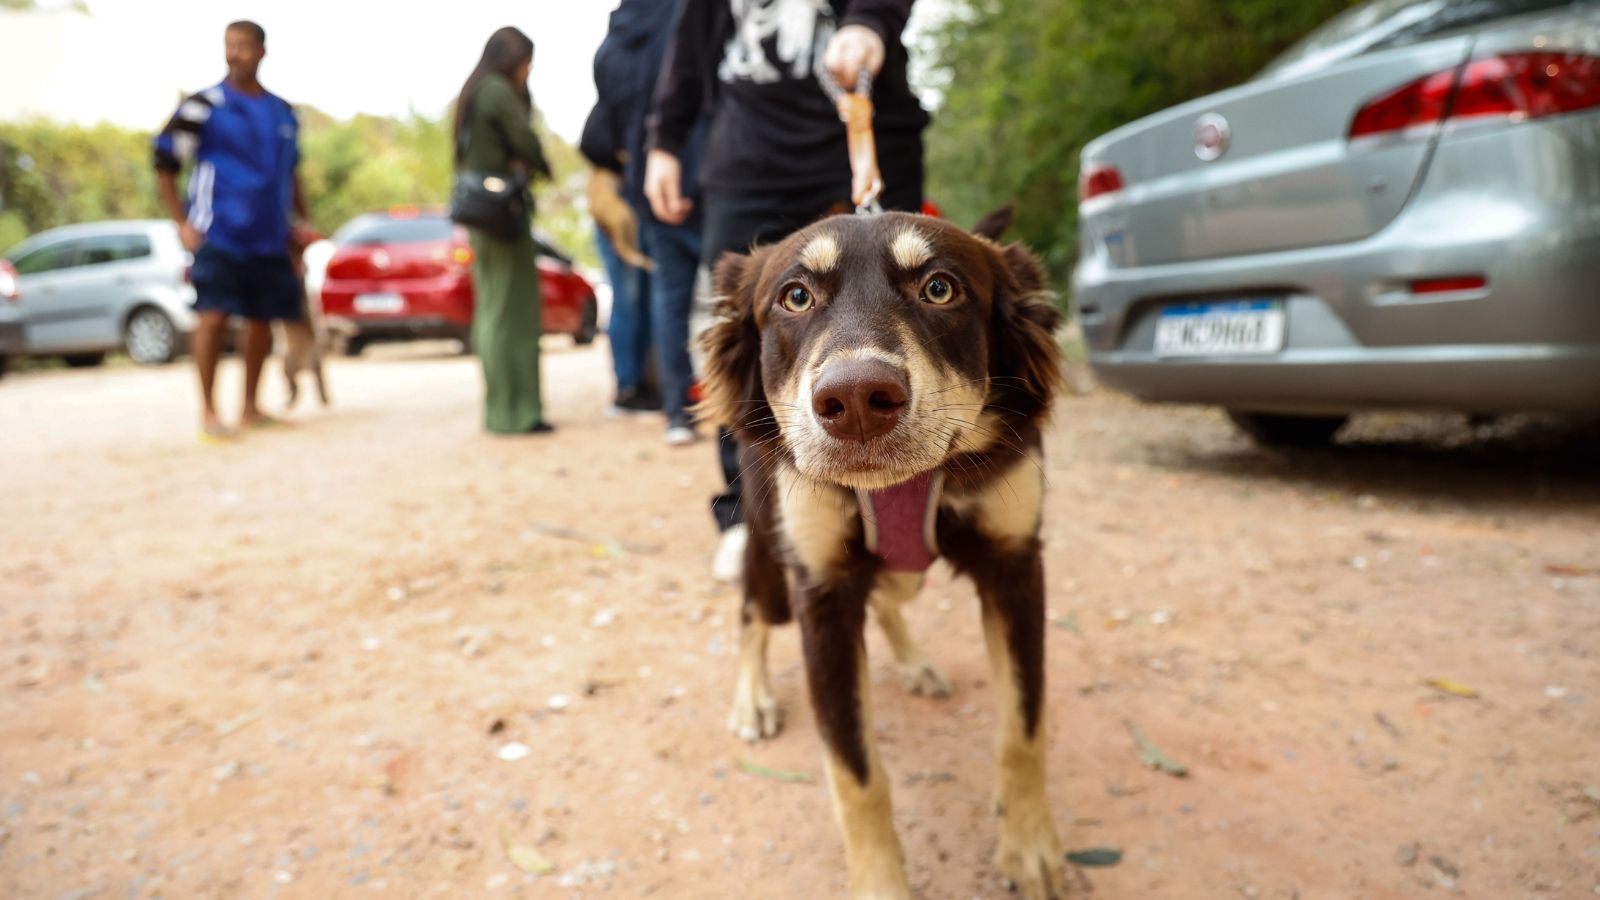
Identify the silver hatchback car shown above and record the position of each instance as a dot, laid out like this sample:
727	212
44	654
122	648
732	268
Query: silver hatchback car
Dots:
83	290
1403	211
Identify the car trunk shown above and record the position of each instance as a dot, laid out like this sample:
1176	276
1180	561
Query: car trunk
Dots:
384	262
1287	177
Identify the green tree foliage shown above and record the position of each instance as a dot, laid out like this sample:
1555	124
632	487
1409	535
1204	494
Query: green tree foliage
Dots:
1026	83
53	174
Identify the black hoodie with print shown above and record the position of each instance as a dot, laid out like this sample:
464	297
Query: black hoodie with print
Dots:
755	63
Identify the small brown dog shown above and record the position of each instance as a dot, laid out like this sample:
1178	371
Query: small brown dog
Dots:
887	377
304	343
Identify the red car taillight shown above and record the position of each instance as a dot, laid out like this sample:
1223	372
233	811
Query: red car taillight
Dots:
8	282
1514	86
1097	180
1449	285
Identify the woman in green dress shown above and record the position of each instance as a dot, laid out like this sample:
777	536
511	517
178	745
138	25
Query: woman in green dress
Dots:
496	111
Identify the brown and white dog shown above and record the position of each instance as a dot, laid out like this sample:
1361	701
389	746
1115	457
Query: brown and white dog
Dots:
858	356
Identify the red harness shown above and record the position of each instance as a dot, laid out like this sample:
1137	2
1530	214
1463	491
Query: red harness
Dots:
898	522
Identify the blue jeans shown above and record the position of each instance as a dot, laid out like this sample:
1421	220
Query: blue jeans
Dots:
676	252
628	330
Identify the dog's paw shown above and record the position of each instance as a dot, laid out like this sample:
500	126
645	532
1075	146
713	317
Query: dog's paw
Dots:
923	680
1031	862
755	719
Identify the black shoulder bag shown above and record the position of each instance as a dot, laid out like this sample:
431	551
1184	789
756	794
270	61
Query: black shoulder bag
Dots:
495	203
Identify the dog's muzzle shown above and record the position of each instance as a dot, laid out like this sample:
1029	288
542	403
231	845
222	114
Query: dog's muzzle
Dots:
860	399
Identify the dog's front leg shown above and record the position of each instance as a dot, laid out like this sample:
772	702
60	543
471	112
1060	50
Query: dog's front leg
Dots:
1012	590
1002	555
831	625
821	522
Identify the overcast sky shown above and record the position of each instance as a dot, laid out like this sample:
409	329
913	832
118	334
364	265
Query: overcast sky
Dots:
129	60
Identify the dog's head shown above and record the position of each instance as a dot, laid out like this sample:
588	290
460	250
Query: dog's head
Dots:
868	350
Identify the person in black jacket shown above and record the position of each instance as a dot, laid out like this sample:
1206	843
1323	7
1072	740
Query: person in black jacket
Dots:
776	158
625	70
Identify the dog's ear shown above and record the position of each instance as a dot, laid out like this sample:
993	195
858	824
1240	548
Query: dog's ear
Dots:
731	391
995	223
1026	360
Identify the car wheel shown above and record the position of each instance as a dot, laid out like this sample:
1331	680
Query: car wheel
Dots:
150	337
588	322
354	344
84	360
1288	431
5	363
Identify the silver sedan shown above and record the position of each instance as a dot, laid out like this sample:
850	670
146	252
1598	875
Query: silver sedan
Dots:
1403	211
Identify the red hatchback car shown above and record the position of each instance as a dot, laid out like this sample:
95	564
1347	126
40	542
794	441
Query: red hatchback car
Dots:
407	274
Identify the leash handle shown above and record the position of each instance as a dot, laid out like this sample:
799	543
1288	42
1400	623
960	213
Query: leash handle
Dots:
855	111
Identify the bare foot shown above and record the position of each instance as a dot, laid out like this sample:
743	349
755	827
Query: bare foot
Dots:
213	431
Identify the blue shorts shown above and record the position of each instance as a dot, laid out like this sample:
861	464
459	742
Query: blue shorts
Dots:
260	288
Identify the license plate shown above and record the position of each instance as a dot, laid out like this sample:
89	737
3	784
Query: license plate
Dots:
1239	327
380	303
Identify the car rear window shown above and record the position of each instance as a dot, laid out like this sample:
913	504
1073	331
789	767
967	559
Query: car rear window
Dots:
369	230
1393	23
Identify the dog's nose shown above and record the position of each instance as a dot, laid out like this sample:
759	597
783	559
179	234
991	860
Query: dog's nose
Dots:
860	399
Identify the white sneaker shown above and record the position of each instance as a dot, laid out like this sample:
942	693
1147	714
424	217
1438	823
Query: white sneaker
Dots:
681	436
728	564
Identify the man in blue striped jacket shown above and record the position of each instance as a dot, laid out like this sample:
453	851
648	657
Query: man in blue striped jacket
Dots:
243	143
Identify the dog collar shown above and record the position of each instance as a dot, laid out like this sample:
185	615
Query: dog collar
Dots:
898	522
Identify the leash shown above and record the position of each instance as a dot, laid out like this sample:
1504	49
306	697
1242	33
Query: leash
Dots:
855	111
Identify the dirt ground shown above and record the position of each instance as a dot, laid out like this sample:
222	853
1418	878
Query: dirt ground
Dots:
379	653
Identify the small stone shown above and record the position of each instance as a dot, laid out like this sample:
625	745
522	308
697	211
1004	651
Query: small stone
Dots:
370	643
1359	563
283	876
514	751
1555	692
497	881
603	618
559	702
1161	617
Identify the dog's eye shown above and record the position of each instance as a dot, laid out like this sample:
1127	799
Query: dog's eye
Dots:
796	299
939	290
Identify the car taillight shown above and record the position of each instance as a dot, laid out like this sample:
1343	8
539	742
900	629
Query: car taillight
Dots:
8	282
1514	86
462	255
1098	179
1449	285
